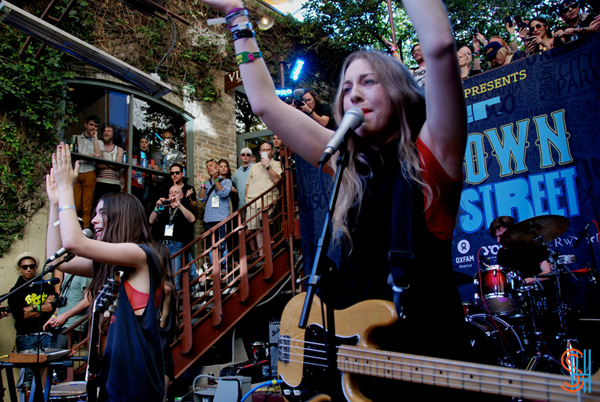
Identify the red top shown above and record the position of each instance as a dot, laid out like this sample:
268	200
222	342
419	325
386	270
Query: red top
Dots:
137	299
441	215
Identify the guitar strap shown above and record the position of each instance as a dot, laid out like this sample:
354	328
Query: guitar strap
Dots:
401	256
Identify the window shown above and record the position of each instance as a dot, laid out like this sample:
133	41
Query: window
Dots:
151	133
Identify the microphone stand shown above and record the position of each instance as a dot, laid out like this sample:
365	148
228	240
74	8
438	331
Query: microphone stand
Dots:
324	275
68	257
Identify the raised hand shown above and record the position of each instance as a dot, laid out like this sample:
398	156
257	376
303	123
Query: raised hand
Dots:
225	6
64	174
51	189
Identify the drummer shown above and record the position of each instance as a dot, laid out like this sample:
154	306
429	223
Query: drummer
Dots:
530	262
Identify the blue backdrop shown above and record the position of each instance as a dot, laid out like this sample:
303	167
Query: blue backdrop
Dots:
533	149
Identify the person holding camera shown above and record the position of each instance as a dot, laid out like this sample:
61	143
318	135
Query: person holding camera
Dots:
541	38
214	191
319	111
173	225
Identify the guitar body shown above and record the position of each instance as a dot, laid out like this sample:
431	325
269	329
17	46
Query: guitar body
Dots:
353	327
103	305
302	362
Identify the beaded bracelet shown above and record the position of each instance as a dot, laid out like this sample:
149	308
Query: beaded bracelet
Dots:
242	34
246	57
233	14
67	207
244	26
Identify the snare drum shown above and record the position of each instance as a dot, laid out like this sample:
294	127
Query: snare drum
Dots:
498	290
69	391
495	342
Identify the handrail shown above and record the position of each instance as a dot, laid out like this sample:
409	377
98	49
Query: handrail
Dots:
274	207
214	287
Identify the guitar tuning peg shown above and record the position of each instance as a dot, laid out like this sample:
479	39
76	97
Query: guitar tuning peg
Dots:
106	314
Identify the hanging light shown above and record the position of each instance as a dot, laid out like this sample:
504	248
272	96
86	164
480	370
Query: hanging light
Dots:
265	22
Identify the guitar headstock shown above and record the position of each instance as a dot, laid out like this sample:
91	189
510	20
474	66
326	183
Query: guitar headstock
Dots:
108	297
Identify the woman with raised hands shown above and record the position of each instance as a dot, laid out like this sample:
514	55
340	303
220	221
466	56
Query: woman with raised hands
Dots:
132	365
404	146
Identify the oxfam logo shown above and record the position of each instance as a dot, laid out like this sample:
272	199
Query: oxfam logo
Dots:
463	246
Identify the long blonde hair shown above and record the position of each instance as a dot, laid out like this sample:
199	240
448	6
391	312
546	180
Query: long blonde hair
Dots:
408	101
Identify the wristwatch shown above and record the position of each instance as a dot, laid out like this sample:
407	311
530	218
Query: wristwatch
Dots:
267	167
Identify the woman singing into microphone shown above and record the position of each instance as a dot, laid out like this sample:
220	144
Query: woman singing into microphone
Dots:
132	363
404	140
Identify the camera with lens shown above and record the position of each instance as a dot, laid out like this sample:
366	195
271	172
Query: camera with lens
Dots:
61	301
298	102
167	203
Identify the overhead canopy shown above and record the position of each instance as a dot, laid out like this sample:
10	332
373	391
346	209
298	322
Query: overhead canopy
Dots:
53	36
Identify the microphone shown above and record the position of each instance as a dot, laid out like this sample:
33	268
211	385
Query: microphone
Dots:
581	236
87	233
351	121
52	281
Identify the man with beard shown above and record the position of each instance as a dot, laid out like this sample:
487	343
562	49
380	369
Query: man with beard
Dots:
107	180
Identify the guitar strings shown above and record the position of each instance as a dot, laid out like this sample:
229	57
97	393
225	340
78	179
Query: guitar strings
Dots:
536	378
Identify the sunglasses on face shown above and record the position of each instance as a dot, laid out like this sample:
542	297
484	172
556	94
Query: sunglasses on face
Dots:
536	26
174	173
569	7
246	154
26	267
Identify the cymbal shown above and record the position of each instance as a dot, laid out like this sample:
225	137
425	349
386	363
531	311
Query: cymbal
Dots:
534	232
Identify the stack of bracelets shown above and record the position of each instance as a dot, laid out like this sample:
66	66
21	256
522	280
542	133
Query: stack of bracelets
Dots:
239	31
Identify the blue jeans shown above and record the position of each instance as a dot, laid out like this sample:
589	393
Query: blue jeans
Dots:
176	263
30	341
220	234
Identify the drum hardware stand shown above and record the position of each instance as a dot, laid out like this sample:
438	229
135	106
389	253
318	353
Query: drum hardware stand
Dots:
538	339
562	336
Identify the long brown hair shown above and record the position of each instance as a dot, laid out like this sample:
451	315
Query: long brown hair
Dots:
408	101
228	176
124	222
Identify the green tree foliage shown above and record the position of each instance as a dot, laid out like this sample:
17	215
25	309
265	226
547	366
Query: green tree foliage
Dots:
33	108
356	24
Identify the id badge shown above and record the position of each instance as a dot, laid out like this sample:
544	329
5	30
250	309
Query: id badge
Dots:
214	202
169	229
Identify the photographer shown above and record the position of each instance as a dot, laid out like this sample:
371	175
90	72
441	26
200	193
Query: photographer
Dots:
317	110
173	225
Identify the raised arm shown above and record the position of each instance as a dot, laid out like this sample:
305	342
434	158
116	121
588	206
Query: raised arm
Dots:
123	254
445	131
297	129
78	266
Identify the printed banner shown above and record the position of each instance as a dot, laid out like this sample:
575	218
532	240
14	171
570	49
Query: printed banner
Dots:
533	149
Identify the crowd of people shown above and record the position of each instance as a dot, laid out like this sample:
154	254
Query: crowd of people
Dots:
525	38
404	146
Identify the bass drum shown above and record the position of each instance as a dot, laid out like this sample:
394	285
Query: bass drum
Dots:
72	391
494	342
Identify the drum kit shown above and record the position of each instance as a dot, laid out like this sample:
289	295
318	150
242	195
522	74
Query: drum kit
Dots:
519	319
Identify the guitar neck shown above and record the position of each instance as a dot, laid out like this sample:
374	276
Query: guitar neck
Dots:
460	375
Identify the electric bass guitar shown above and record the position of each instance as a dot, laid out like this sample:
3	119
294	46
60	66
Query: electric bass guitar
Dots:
104	304
301	356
